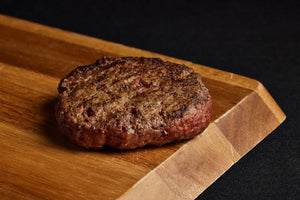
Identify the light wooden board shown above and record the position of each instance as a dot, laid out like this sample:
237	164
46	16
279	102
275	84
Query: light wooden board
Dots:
36	162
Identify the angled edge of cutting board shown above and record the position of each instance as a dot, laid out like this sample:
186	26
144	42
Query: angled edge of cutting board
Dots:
190	170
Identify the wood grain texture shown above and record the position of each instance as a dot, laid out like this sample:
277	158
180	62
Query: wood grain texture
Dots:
39	163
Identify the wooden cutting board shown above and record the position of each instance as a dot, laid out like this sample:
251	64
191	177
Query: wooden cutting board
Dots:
37	162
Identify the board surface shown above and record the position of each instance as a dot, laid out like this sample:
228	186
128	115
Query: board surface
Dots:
36	162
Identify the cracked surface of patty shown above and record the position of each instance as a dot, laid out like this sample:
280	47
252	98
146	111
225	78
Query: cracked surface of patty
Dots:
131	102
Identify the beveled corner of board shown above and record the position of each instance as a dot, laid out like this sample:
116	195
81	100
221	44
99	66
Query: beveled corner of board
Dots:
251	120
270	102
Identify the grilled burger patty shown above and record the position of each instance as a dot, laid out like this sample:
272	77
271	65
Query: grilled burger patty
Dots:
131	102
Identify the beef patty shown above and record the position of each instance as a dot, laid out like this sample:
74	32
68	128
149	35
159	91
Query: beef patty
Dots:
131	102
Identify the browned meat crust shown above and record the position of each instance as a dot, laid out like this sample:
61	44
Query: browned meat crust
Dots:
131	102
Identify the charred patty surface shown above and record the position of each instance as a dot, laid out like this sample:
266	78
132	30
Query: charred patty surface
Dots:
131	102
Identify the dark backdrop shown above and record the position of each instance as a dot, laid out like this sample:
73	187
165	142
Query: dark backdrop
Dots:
260	40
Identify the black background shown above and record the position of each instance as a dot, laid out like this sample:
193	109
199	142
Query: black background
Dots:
257	39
